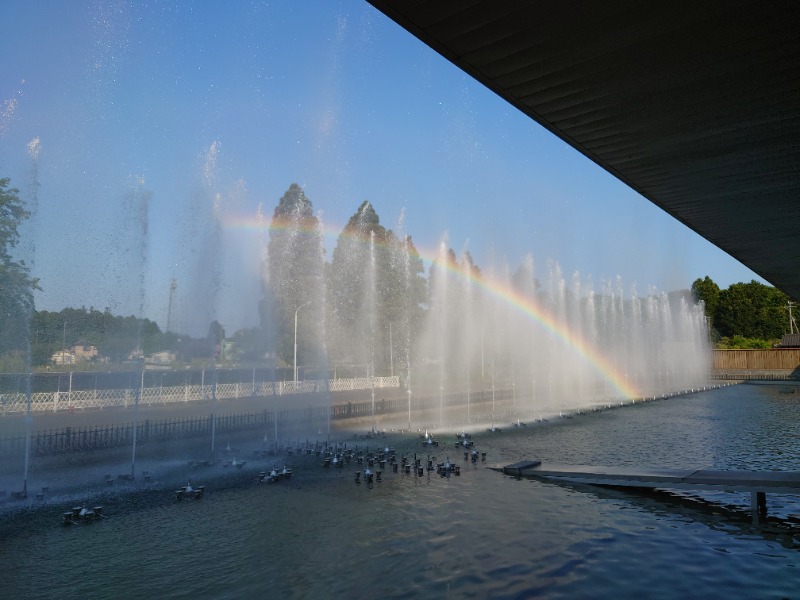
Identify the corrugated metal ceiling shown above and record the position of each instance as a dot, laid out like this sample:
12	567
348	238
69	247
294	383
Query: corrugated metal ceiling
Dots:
695	105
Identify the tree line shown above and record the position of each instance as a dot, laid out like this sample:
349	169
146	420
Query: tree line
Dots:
374	287
745	315
119	340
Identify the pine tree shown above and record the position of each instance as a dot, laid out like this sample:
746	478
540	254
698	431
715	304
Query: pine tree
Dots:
358	287
295	272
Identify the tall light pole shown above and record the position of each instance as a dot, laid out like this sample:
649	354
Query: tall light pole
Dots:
295	337
391	355
64	347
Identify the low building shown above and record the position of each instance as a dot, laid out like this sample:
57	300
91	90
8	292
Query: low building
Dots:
160	358
77	353
63	357
84	351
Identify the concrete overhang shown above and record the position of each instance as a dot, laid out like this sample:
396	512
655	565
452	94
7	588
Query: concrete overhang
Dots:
695	105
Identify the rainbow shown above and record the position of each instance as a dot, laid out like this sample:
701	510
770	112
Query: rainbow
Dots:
495	288
561	331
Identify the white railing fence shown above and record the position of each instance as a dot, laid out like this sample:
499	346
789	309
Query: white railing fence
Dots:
83	399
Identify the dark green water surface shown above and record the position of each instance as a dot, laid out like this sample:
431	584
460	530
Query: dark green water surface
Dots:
480	535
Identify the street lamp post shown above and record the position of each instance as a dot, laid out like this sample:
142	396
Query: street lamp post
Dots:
295	337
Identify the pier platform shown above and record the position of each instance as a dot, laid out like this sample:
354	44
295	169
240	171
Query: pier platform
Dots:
758	483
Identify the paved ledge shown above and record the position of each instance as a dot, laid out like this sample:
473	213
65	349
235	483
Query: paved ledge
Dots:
782	482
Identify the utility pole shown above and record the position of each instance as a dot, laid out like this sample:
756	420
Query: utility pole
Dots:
792	324
171	306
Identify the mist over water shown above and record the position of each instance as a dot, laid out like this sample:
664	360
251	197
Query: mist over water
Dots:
132	243
200	275
528	343
560	345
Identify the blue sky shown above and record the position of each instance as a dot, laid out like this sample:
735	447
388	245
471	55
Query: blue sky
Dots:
187	110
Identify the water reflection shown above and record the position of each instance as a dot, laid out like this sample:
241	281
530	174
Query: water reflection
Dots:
731	518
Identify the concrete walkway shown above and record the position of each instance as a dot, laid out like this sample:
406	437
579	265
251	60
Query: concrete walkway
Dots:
755	482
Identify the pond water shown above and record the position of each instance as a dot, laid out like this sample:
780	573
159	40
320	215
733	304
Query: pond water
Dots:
478	535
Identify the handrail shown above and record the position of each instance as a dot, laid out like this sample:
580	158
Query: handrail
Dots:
82	399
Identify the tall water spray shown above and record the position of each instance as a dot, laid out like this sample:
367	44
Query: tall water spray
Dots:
407	318
555	347
133	243
370	293
468	322
439	319
34	147
294	294
200	249
401	264
322	296
525	285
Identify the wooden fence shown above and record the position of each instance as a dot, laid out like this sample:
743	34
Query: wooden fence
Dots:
768	364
